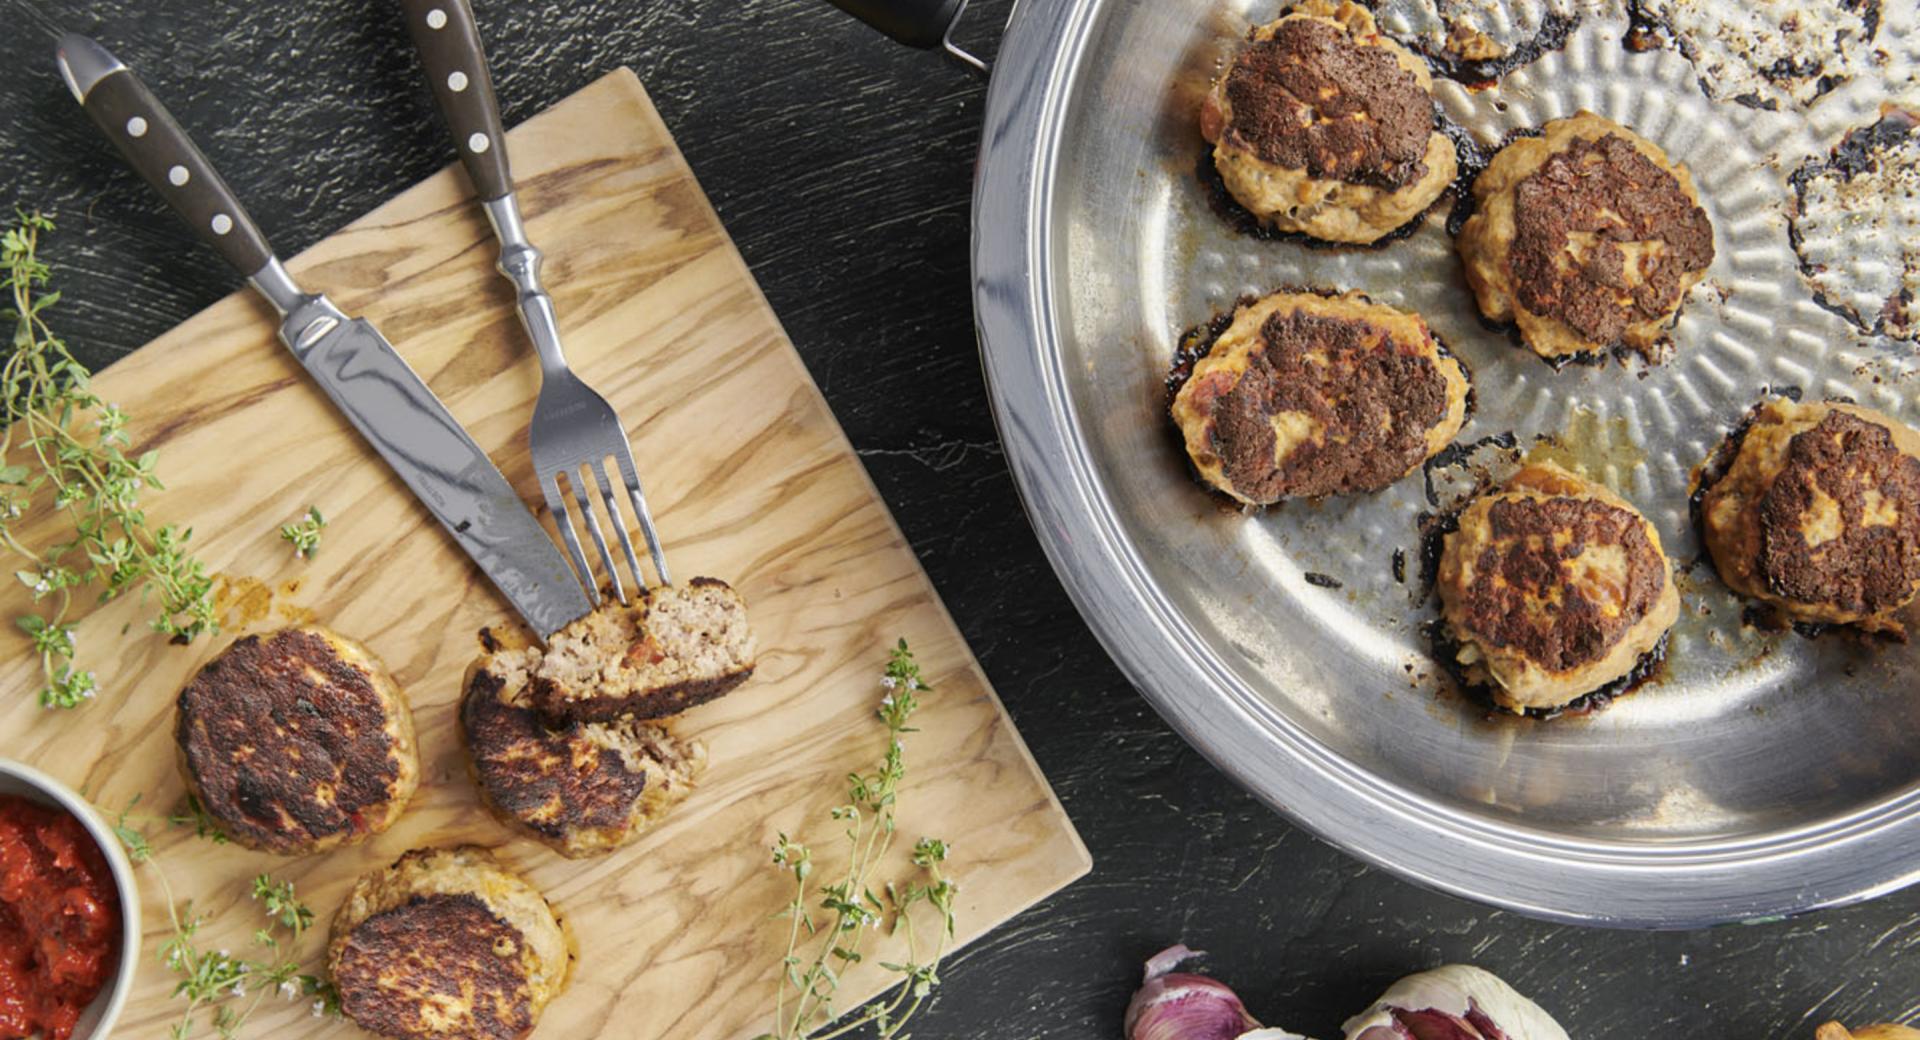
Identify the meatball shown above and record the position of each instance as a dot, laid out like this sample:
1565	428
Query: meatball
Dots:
1553	587
297	742
447	943
1324	127
1587	238
1306	395
1818	514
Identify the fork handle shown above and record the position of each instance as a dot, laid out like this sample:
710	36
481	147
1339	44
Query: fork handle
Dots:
449	43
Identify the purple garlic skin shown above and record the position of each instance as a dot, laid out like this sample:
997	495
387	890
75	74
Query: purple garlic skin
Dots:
1173	1006
1457	1002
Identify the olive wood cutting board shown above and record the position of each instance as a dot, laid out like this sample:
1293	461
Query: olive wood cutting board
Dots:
750	480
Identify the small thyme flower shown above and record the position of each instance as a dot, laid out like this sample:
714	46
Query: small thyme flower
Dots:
304	534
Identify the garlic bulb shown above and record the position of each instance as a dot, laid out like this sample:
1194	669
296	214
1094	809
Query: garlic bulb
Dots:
1457	1002
1175	1006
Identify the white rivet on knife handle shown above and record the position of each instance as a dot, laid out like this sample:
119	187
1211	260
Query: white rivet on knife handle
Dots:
436	19
457	81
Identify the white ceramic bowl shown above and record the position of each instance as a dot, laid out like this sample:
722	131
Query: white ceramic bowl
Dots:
17	779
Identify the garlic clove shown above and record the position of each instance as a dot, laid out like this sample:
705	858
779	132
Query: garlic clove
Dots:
1175	1006
1456	1002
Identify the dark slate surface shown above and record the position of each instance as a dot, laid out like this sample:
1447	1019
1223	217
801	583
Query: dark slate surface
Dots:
842	167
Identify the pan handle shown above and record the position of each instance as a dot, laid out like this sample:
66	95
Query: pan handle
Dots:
925	24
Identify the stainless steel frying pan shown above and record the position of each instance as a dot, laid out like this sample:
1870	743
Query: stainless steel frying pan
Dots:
1761	774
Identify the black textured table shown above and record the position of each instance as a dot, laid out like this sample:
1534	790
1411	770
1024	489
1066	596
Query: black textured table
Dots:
842	166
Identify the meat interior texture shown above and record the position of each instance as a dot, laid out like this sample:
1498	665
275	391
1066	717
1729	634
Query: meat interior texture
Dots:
1325	127
1818	514
447	943
673	647
297	741
581	788
1587	238
1306	395
1554	587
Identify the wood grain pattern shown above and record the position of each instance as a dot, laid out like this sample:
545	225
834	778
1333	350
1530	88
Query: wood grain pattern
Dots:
750	479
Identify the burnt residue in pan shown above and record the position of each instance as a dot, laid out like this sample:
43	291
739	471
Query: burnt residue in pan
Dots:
1650	30
1861	152
1478	75
1460	454
1196	343
1446	652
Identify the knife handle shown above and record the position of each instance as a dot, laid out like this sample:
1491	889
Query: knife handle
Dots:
449	43
141	127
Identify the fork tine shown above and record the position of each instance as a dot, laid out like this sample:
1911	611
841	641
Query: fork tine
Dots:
619	523
631	478
599	539
562	518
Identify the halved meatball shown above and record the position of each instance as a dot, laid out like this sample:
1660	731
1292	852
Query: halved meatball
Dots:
673	647
579	787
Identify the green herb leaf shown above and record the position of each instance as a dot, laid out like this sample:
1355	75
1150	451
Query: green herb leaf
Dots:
64	448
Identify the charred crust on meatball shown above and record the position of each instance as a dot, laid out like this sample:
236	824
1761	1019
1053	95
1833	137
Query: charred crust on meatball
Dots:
1361	389
450	946
1310	97
1608	192
1528	560
1866	568
270	724
552	780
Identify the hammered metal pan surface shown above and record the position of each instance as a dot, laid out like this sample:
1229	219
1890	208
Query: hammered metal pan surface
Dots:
1287	643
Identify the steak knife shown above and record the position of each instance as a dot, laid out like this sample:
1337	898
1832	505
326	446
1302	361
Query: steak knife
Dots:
371	384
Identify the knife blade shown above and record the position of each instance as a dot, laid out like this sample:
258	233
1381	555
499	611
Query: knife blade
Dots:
370	383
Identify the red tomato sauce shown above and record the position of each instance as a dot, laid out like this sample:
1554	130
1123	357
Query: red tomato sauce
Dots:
59	920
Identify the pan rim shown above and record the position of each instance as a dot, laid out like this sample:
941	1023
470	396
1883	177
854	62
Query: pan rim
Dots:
1663	884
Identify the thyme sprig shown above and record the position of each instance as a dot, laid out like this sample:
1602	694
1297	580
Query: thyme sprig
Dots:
214	980
71	451
828	925
304	534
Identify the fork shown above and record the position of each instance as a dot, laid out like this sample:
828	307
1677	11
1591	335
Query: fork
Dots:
574	428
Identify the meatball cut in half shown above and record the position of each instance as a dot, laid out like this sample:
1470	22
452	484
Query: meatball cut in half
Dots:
1818	514
673	647
580	787
1587	237
297	741
1553	587
447	943
1324	127
1307	395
